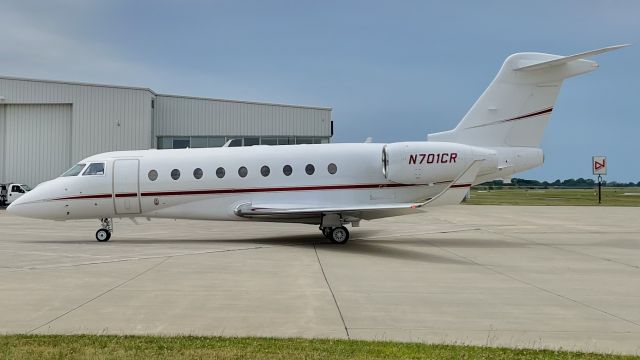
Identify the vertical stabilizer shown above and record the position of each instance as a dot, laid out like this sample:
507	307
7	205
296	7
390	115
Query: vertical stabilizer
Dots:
515	108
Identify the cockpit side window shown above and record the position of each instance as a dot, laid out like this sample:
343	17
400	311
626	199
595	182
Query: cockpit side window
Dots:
75	170
94	169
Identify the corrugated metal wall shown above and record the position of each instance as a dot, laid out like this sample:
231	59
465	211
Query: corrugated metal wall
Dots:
38	141
103	118
184	116
3	159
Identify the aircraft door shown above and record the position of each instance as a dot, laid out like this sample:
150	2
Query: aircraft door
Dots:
126	186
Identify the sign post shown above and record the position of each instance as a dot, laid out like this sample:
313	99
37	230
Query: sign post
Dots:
599	166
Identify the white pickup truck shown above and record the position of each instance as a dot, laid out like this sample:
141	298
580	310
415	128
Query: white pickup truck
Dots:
10	192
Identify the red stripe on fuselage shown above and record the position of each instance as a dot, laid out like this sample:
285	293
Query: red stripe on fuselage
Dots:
78	197
251	190
96	196
241	190
273	189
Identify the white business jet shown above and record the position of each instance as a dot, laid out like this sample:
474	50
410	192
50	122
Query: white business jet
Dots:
327	185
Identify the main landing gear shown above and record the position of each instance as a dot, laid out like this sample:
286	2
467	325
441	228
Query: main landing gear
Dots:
104	234
337	235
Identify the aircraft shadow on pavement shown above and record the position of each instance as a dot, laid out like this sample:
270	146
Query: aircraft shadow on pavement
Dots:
373	248
359	245
284	240
359	237
471	243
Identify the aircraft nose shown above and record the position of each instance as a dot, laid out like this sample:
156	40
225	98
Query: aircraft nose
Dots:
9	210
29	205
17	207
37	204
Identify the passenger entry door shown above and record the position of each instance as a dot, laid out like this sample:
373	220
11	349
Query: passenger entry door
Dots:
126	188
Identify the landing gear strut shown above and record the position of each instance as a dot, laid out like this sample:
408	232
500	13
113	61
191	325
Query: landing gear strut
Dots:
104	233
337	235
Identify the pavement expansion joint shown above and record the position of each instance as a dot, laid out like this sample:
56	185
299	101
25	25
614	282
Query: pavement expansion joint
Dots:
331	291
99	295
137	258
573	251
491	268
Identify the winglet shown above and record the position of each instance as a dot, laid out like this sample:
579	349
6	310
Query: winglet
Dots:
457	190
568	59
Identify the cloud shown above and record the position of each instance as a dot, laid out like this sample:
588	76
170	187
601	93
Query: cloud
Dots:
36	44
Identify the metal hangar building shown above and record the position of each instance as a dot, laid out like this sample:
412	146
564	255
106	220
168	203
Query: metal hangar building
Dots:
46	126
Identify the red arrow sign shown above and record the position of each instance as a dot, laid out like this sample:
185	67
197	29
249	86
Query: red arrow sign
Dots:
600	165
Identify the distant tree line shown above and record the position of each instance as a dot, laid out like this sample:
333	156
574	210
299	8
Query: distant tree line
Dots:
568	183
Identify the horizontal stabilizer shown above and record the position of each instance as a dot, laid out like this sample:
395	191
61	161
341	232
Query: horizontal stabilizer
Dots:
567	59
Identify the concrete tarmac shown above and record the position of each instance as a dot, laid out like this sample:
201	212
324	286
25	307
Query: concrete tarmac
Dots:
542	277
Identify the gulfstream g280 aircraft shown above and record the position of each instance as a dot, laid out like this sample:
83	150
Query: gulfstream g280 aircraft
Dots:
330	185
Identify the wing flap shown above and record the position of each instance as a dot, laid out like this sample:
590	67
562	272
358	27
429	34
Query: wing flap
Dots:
282	211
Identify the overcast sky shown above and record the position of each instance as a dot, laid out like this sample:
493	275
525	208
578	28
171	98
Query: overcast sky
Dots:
393	70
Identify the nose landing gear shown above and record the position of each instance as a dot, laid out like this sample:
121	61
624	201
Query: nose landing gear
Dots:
104	233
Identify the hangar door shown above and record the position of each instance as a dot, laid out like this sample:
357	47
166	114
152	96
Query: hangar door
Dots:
37	142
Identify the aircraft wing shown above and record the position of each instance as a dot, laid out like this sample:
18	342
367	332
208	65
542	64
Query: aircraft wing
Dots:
367	212
454	193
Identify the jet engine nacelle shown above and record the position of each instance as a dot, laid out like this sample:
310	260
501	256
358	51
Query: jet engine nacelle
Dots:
428	162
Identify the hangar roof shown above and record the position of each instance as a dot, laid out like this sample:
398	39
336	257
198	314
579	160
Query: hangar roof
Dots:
158	94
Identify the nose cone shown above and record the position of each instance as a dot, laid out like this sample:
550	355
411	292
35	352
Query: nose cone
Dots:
33	204
10	208
20	206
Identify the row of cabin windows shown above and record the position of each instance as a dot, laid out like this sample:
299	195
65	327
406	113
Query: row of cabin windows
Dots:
243	171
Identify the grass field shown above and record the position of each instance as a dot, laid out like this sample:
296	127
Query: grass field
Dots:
583	197
137	347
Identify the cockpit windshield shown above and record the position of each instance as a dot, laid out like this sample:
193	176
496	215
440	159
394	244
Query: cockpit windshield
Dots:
75	170
94	169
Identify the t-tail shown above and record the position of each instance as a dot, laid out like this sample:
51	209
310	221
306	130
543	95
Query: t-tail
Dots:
514	110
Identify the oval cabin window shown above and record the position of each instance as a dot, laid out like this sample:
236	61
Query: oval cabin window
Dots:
220	172
153	175
175	174
243	171
287	170
309	169
197	173
265	171
332	168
